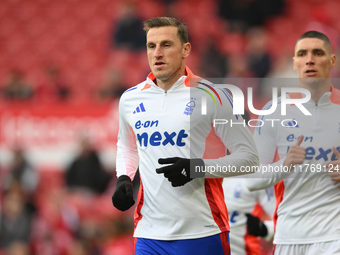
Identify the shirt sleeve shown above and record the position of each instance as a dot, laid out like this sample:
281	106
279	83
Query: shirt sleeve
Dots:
236	137
127	160
265	140
268	203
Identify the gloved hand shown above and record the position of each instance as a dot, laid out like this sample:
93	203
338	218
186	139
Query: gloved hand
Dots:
255	226
122	198
178	173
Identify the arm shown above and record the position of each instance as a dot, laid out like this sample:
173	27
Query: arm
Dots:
235	137
127	159
217	139
264	179
334	166
126	163
268	202
265	138
255	225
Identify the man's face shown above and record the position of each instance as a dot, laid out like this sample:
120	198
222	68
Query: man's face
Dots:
312	59
166	54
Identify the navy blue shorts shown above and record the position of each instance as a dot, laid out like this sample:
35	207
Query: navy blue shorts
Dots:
211	245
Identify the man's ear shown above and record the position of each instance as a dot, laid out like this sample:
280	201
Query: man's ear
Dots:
333	60
186	49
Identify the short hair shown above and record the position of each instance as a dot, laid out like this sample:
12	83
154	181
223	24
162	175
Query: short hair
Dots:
316	34
182	30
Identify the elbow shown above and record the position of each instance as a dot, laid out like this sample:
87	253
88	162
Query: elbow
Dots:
251	188
254	162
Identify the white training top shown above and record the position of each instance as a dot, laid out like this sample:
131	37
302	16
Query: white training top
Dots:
308	203
156	124
241	201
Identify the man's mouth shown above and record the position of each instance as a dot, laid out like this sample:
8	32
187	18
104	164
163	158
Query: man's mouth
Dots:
159	63
310	72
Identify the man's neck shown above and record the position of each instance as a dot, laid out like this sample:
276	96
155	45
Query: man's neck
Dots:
318	88
167	84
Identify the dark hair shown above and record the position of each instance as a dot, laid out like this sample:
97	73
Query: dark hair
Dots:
316	34
182	30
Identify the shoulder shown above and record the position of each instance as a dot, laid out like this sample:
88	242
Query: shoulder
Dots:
271	108
217	94
134	91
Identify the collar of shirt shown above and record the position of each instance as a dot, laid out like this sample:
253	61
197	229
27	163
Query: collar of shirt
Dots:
185	79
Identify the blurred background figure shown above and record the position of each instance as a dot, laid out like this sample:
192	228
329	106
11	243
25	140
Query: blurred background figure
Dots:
53	87
87	239
282	68
15	225
86	172
240	74
116	236
257	54
54	228
213	64
18	248
244	14
239	67
112	85
258	57
250	215
21	175
16	87
128	30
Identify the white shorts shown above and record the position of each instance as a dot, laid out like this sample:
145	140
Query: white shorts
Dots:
329	248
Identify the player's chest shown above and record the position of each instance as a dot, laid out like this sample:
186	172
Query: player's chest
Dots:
321	131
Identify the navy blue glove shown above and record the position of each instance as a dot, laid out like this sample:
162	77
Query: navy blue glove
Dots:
122	198
255	226
181	170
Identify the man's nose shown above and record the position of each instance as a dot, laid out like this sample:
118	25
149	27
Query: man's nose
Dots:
158	52
310	59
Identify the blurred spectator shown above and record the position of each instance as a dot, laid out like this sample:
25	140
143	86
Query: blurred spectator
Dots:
213	62
238	67
88	239
258	57
236	12
243	14
53	88
16	221
169	7
53	231
282	75
18	248
16	87
128	30
79	248
86	172
117	237
240	74
112	85
22	174
283	67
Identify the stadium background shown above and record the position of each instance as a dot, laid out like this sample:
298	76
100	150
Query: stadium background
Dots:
79	38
